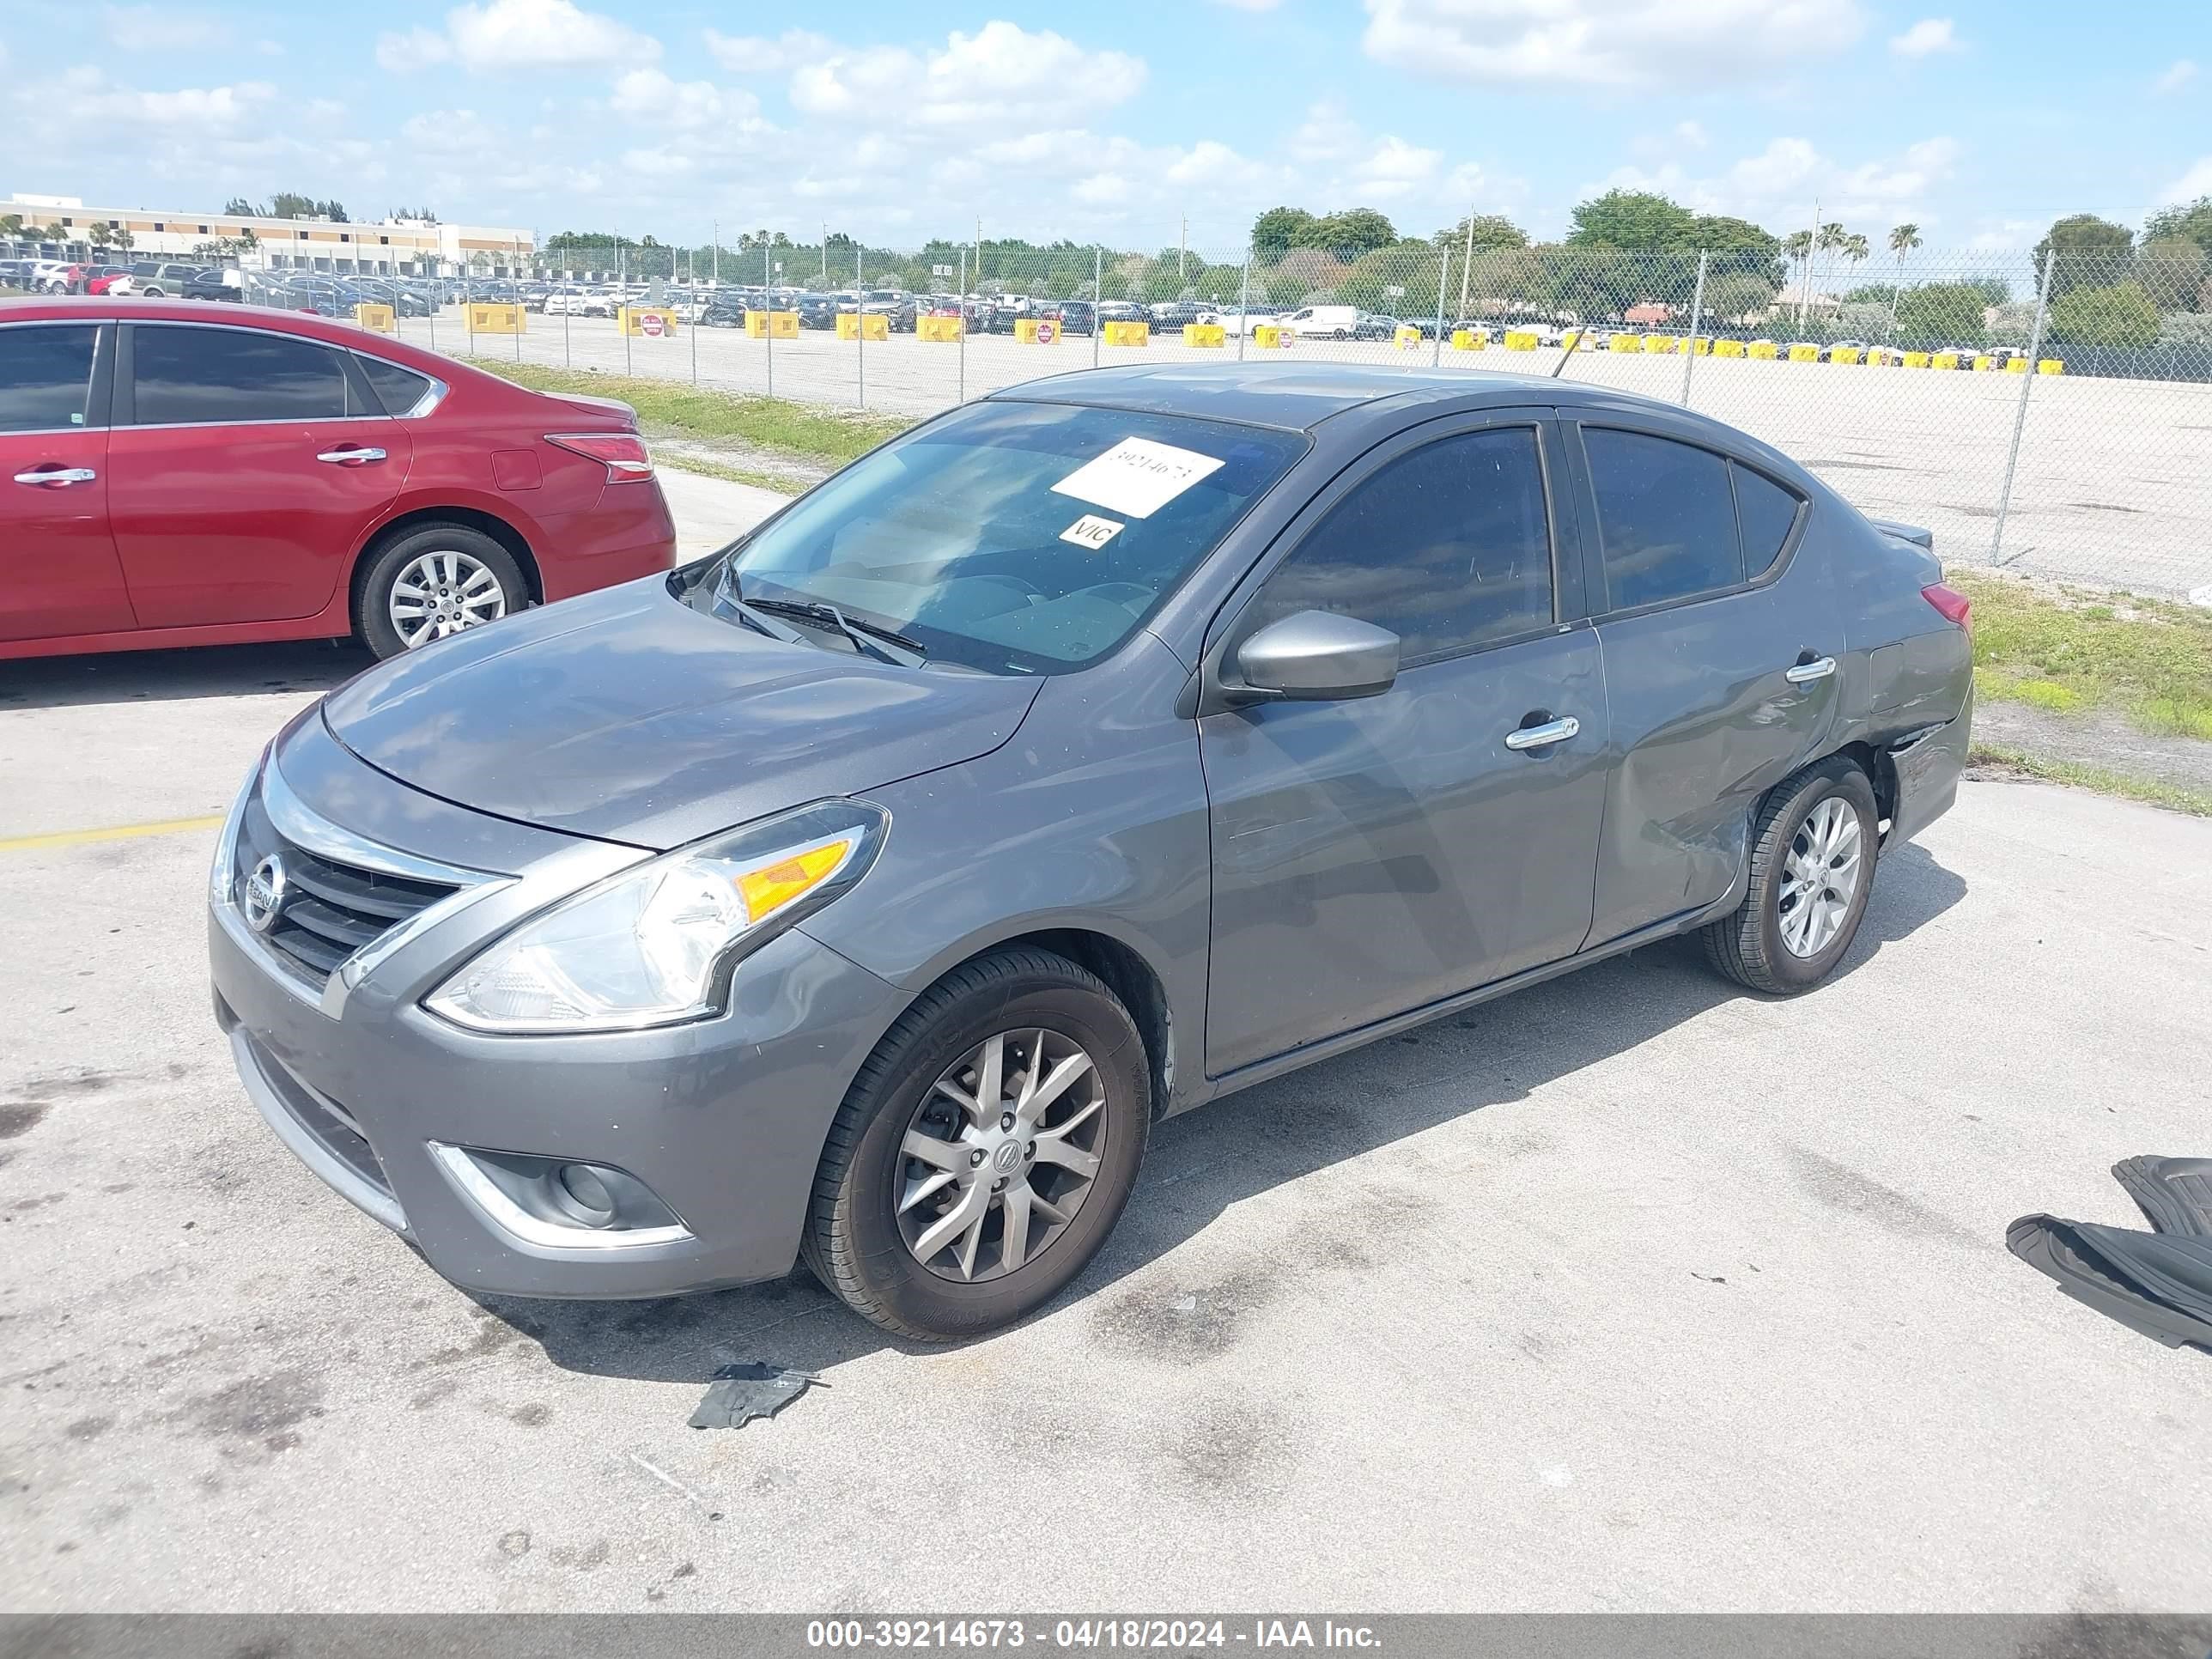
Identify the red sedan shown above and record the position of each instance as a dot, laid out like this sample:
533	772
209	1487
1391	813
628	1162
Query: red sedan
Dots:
169	479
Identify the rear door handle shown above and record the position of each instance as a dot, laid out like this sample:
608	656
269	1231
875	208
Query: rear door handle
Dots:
1544	736
58	475
351	457
1805	673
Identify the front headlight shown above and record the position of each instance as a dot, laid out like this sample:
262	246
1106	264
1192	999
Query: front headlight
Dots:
656	944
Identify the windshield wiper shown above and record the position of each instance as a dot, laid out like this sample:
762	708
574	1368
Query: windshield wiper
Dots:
885	644
729	596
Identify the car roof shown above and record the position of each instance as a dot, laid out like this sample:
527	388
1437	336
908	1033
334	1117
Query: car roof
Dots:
1298	397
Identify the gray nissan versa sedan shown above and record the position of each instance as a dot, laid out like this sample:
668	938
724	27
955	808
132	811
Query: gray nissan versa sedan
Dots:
865	892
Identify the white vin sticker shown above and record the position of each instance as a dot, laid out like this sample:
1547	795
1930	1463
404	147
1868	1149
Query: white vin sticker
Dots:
1091	532
1137	477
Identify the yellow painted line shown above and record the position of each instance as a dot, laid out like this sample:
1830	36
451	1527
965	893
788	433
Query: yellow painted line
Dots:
113	832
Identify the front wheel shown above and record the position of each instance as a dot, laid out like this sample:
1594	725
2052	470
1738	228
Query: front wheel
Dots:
985	1150
1813	853
436	580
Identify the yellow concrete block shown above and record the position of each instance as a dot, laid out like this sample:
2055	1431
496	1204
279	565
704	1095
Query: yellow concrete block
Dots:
1205	334
2015	366
1268	336
1665	344
772	324
1985	363
1916	360
1766	350
1943	360
2051	366
496	319
943	328
1128	334
652	322
1804	353
872	325
1627	342
1469	339
379	318
1846	354
1520	339
1727	348
1407	337
1571	340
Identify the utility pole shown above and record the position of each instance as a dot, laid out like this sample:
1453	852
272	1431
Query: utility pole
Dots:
1804	265
2020	413
1697	315
1182	250
1467	264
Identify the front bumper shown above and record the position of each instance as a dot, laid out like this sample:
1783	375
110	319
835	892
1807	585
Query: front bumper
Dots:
723	1119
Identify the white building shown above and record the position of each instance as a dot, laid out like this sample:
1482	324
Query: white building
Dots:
392	247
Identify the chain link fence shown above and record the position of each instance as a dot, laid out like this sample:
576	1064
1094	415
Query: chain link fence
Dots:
2050	415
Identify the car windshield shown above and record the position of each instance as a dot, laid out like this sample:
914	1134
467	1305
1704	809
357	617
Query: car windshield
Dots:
1011	537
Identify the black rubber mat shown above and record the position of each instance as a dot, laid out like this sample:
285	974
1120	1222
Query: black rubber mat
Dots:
2174	1194
2153	1283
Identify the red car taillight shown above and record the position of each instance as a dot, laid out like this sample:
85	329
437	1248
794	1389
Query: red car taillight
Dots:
622	453
1954	605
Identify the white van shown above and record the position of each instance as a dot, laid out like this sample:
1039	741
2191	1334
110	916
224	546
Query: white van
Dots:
1330	322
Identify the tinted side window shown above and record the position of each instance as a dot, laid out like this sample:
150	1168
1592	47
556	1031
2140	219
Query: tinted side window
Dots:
1445	547
233	374
1765	512
398	389
1666	518
45	377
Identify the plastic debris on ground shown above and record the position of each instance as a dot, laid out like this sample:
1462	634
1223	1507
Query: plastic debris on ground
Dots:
2159	1283
738	1392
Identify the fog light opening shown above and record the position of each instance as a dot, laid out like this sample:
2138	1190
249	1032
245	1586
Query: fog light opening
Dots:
582	1192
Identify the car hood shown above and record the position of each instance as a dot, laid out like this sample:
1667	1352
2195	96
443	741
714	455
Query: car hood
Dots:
627	716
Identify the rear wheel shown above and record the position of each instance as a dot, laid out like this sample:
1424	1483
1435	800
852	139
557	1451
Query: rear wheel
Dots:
436	580
985	1150
1812	870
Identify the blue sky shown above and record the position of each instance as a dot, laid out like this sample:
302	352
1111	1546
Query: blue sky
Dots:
1981	121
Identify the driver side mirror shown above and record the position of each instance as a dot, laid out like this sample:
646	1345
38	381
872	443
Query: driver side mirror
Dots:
1315	656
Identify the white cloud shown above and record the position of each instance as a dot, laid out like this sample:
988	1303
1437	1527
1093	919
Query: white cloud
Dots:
750	55
153	28
450	131
190	109
1000	75
1690	134
694	106
1930	34
1778	183
2178	74
2196	182
513	34
1601	43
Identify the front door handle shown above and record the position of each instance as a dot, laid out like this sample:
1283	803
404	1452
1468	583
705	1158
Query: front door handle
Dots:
56	475
1805	673
351	457
1544	736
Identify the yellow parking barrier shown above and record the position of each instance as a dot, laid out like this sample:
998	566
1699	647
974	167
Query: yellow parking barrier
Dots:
942	329
2051	366
2015	366
1943	360
1804	353
1407	337
1983	363
1846	354
772	324
1700	347
1469	339
377	317
1627	342
1916	360
1570	341
872	325
1766	350
485	319
1727	348
652	322
1205	334
1035	331
1520	339
1666	345
1128	334
1271	336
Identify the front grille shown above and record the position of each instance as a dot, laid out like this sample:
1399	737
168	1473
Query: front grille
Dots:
330	910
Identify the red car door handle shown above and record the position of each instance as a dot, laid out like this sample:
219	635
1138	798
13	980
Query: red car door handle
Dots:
351	457
48	477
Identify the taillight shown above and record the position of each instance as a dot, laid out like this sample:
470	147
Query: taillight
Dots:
1954	605
622	453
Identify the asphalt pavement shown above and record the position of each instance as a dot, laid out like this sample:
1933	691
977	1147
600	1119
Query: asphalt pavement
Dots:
1630	1292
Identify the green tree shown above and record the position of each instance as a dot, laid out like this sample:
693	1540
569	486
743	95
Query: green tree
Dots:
239	208
1735	296
2121	315
11	224
1736	245
2192	219
1349	231
1488	230
1638	219
2172	270
1942	314
1278	230
2091	253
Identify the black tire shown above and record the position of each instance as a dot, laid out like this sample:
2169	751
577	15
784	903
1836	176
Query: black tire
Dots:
1746	944
853	1243
372	610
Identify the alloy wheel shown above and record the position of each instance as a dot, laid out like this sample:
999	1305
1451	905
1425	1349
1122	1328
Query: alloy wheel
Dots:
1000	1155
1820	876
442	592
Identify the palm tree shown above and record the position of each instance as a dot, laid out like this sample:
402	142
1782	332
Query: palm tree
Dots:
1832	237
1903	239
1797	248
